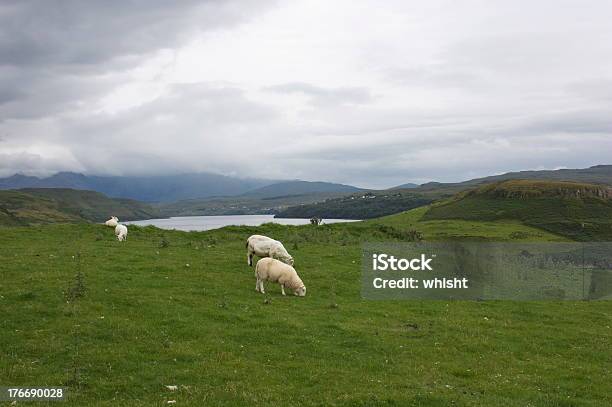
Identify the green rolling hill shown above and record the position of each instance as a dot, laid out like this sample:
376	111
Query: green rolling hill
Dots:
575	210
59	205
597	174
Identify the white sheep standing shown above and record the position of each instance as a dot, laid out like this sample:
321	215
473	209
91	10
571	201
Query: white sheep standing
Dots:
263	246
268	269
112	222
121	232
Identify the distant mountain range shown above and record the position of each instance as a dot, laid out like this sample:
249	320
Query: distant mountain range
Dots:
266	200
172	188
408	185
206	193
164	188
293	188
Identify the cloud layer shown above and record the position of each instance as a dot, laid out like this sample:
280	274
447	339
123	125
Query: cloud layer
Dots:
344	91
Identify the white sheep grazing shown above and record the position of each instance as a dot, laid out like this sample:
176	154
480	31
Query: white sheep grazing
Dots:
268	269
112	222
121	232
263	246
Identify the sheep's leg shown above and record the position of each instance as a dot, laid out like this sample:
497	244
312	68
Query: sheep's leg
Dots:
261	287
250	259
283	289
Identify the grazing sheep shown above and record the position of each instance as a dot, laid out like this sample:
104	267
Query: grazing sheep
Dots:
112	222
268	269
121	232
263	246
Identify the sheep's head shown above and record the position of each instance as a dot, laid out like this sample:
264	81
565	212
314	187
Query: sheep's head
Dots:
300	292
288	260
282	255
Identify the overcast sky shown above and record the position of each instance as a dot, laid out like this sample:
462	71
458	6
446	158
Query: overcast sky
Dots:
370	93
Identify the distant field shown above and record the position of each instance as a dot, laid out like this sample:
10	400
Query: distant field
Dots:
115	323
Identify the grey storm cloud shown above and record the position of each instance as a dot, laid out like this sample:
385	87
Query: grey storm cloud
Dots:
56	53
343	91
77	34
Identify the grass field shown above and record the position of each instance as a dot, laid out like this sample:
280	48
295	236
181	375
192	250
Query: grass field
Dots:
115	323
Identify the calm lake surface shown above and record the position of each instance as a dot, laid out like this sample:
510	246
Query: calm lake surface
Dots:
196	223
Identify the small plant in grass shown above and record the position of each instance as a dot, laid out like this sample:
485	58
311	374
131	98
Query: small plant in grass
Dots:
409	235
163	243
518	235
333	304
77	379
166	342
76	288
344	239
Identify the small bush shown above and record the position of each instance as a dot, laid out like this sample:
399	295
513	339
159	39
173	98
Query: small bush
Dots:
409	235
77	288
518	235
163	243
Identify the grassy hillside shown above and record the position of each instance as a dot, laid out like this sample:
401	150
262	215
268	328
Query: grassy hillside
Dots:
115	323
578	211
597	174
51	205
372	204
470	230
20	208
